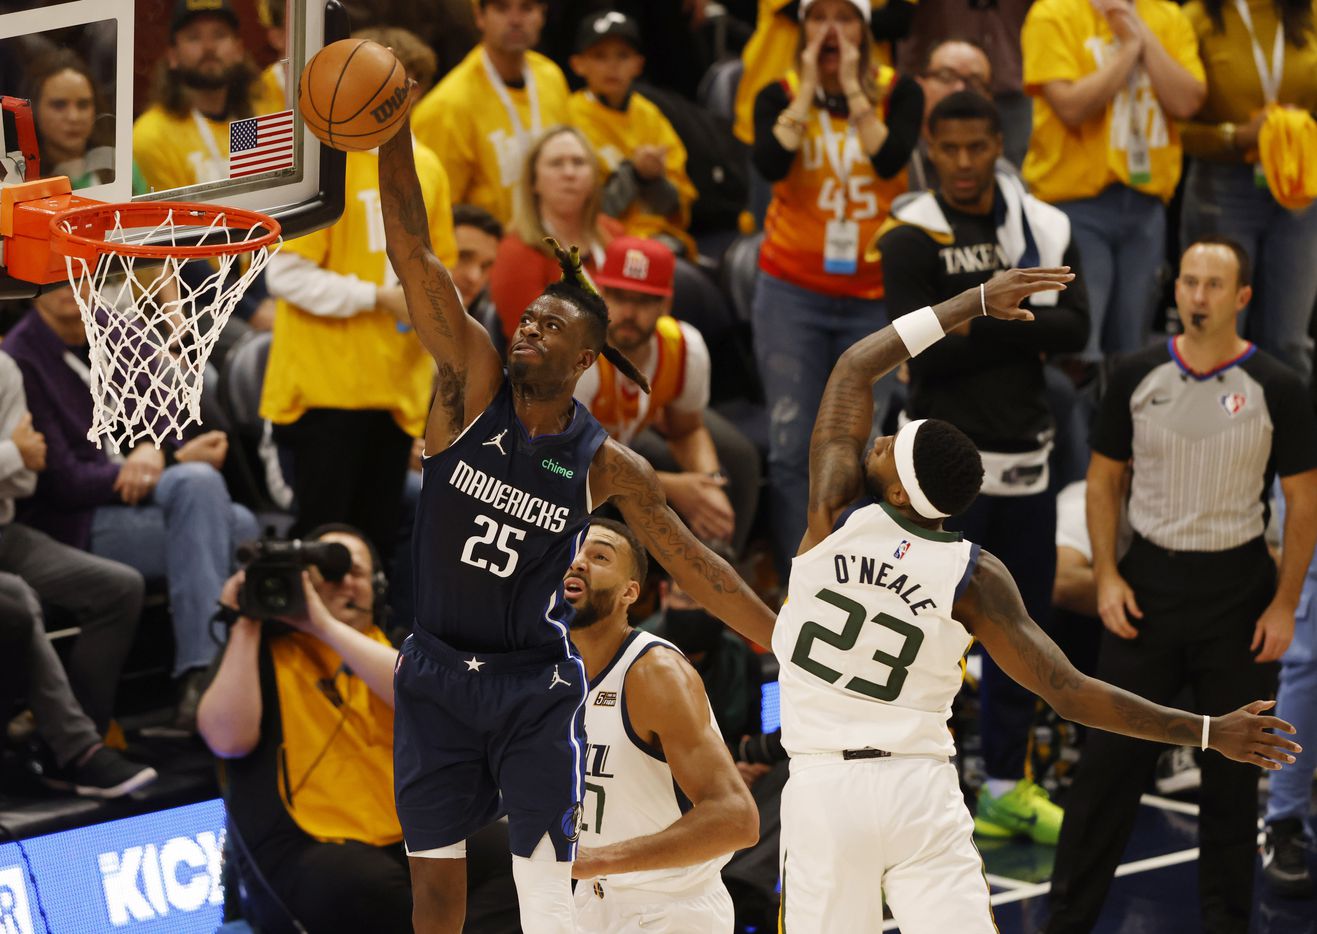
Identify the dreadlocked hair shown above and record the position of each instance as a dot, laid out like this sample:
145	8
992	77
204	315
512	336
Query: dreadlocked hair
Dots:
576	289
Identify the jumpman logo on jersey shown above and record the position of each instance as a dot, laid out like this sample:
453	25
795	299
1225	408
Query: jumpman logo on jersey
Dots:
497	441
558	679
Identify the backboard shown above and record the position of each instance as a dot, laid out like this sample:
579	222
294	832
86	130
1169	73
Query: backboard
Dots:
177	100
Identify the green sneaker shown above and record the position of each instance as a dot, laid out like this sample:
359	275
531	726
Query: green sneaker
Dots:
1024	811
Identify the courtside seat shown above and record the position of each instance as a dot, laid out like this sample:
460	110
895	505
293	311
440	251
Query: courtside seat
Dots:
717	91
740	266
239	397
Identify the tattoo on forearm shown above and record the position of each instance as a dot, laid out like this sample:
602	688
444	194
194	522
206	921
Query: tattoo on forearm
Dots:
659	528
1143	718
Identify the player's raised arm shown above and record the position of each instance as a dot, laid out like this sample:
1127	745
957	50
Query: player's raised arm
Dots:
469	367
845	416
993	610
623	476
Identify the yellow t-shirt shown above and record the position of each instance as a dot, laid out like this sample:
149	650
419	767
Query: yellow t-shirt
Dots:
1065	40
770	54
363	361
336	762
463	120
176	152
270	92
615	135
1234	90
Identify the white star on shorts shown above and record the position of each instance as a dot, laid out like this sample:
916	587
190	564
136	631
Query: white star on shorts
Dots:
473	664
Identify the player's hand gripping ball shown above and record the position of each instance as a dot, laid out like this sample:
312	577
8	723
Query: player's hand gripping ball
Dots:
354	95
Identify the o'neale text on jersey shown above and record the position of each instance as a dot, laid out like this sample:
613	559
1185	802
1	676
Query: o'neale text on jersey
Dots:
874	573
507	498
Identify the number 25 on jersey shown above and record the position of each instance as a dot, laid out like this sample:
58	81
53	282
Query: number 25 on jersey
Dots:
501	559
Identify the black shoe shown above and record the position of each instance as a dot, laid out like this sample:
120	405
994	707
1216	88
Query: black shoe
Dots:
106	774
1284	859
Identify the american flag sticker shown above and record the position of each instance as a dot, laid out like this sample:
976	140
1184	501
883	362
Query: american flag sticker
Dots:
261	144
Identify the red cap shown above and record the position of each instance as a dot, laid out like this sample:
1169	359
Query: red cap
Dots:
638	265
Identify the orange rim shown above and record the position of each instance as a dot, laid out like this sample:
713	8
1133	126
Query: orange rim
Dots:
80	232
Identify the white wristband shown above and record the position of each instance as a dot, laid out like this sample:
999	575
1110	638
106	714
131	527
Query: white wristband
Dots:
919	330
1207	722
983	301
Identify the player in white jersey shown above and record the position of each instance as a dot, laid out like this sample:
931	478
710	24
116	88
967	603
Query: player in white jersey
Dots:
882	604
664	806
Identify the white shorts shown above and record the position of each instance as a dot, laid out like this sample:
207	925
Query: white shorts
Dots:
709	911
856	831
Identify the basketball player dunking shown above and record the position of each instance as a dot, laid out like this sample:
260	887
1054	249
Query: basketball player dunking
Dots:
489	690
882	606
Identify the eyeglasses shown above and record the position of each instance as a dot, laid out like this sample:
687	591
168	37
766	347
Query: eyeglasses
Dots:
977	83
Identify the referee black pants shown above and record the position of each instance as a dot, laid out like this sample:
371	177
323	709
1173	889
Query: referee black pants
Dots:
1199	612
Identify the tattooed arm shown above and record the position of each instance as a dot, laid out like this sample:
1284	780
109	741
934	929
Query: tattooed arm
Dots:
836	448
992	610
623	476
469	370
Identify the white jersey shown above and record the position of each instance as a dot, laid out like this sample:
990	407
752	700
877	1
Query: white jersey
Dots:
629	789
870	655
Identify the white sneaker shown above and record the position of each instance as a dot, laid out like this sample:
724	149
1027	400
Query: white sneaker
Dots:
1177	771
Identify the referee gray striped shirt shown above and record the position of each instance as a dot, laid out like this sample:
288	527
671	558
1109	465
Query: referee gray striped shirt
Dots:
1204	446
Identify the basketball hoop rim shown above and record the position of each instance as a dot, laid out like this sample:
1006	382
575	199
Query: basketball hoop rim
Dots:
139	214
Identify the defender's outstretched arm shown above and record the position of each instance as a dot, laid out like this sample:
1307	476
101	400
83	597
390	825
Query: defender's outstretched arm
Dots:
995	614
836	447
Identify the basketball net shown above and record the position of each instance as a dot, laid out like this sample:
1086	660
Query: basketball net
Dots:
150	331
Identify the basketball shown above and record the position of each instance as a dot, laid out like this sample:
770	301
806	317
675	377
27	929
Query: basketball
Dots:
353	94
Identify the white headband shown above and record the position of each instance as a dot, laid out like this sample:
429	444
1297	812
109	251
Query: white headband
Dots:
903	450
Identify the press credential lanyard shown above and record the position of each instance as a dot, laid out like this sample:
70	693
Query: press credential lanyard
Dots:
841	243
1269	78
1137	154
532	95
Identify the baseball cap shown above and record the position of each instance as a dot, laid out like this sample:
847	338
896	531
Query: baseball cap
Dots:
862	5
637	265
595	29
187	10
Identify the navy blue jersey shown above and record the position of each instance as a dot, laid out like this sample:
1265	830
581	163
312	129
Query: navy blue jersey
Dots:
500	518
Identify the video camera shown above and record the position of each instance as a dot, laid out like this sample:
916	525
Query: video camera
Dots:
273	584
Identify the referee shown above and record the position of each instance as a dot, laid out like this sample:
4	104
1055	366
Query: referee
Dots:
1202	423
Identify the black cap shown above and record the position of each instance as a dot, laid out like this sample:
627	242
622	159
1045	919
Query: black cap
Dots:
187	10
595	29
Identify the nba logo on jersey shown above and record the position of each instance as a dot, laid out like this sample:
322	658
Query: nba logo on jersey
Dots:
15	916
1233	403
901	549
636	265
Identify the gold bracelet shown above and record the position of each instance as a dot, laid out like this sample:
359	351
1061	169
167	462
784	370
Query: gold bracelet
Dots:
786	120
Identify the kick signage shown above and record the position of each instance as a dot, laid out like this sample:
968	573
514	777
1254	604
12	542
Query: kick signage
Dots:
156	872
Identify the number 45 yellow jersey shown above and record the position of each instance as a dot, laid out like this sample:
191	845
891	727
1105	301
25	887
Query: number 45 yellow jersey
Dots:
870	656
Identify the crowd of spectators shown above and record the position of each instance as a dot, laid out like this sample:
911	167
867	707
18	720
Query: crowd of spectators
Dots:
896	155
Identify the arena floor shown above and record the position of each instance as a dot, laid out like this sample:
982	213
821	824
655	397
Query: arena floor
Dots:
1155	891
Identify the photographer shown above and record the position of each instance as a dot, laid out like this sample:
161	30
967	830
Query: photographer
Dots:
300	709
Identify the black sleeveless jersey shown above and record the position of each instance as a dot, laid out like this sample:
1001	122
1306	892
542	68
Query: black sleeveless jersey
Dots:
500	518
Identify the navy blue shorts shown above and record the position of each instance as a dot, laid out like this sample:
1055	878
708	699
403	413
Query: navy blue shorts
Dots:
476	736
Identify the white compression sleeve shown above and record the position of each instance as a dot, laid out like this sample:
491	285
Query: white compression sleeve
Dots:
544	891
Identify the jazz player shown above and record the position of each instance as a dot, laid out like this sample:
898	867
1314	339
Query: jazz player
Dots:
882	605
665	806
489	690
